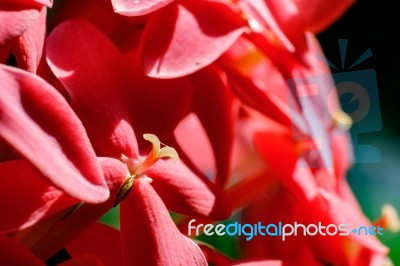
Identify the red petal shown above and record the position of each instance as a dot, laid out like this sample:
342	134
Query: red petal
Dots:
181	39
199	152
48	3
94	83
115	172
216	258
317	195
213	104
28	47
289	19
13	253
85	260
265	93
39	124
26	197
259	263
99	239
33	3
265	19
341	212
101	14
156	106
149	236
14	20
184	192
277	205
138	7
278	151
254	185
318	15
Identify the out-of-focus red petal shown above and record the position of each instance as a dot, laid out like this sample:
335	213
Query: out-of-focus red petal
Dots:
199	152
15	19
254	185
319	196
183	38
99	239
184	192
273	147
13	253
149	236
265	209
263	17
38	123
288	17
91	69
341	212
27	197
318	15
213	105
138	7
28	47
267	94
88	259
216	258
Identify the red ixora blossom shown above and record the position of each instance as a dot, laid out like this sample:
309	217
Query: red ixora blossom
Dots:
106	97
227	84
168	243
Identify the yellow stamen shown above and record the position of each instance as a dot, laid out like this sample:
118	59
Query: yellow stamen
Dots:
137	167
341	119
389	219
158	152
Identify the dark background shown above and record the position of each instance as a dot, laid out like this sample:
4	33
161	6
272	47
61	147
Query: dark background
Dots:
371	24
374	24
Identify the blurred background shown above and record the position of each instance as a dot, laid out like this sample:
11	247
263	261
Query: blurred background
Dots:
372	25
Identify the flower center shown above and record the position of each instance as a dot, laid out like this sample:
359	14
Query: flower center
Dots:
138	167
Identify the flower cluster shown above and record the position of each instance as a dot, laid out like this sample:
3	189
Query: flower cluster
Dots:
91	90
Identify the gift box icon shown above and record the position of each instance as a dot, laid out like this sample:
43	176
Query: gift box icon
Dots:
357	91
359	98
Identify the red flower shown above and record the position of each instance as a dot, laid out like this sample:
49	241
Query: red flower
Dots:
109	103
